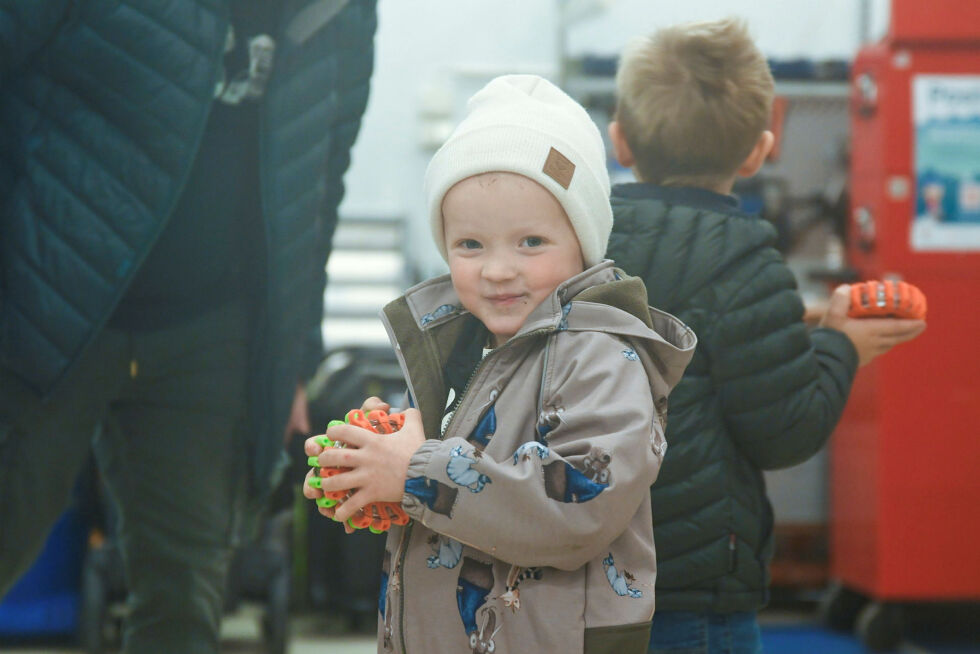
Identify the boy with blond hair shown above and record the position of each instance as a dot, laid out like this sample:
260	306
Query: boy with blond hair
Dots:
540	376
761	392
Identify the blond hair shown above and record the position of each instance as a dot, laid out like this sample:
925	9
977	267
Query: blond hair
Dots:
693	100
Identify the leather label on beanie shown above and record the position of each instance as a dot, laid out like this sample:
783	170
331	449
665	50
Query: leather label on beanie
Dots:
559	168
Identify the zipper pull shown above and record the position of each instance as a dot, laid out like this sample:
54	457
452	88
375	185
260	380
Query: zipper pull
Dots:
732	553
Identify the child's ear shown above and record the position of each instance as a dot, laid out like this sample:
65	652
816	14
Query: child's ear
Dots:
620	147
757	157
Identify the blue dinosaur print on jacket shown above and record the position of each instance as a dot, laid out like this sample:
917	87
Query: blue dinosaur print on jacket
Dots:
460	471
581	488
563	482
421	488
529	449
480	437
630	354
474	584
439	497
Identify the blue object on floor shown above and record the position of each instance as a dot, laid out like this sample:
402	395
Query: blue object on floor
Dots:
811	639
45	600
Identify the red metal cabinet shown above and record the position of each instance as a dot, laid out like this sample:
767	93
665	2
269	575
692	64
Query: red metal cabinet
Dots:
905	460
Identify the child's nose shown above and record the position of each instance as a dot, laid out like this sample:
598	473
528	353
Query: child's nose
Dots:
499	269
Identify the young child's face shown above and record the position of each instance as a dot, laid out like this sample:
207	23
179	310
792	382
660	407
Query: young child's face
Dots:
510	245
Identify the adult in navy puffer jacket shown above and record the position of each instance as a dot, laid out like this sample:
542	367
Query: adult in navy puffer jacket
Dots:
170	172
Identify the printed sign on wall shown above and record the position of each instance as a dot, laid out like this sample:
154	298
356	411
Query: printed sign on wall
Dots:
946	115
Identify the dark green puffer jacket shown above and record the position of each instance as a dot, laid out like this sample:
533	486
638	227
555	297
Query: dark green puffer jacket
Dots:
102	107
761	392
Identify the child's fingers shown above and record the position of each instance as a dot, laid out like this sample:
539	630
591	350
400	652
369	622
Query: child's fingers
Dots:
895	328
908	330
351	435
351	506
840	299
907	333
309	492
312	447
344	480
375	404
328	511
413	415
340	457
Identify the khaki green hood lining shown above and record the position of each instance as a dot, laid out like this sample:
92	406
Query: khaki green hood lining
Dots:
627	294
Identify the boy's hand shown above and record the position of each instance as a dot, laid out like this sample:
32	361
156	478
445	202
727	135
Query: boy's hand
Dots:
378	463
313	448
375	404
871	336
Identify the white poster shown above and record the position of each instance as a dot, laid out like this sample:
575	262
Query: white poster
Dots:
946	115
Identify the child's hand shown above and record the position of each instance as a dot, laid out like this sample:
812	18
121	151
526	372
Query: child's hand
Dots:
871	336
313	449
378	463
374	404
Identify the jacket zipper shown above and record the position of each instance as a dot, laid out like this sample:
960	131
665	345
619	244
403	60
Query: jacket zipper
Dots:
479	366
398	581
462	394
732	552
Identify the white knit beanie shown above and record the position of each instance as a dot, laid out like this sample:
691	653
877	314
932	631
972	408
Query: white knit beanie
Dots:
524	124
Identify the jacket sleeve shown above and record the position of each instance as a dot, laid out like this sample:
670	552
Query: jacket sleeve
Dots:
782	388
354	64
559	501
25	27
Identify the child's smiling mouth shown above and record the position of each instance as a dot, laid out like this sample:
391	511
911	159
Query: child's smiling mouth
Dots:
505	299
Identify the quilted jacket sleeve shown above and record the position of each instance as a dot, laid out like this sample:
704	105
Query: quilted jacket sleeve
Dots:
559	505
782	388
25	27
355	64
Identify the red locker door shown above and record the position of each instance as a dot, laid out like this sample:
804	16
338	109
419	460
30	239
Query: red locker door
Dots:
905	461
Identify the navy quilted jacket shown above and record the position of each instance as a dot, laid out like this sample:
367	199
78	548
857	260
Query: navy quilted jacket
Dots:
102	107
760	393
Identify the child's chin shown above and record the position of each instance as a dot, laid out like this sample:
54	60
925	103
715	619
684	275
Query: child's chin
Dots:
501	336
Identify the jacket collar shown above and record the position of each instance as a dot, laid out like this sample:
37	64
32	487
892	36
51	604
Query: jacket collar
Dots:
605	298
698	198
433	306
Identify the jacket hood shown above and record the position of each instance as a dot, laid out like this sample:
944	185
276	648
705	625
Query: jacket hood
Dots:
581	303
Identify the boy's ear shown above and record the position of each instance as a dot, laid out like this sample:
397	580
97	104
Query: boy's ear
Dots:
757	157
620	147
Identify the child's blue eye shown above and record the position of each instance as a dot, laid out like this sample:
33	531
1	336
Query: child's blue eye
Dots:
469	244
533	241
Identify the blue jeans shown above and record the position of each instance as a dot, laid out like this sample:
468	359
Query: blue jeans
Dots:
684	632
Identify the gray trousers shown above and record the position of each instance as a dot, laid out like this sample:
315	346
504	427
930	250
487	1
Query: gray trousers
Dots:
172	456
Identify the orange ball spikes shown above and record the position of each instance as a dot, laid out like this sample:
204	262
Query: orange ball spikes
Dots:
887	299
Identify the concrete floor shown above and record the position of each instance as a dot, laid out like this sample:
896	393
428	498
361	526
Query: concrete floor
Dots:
319	634
240	634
